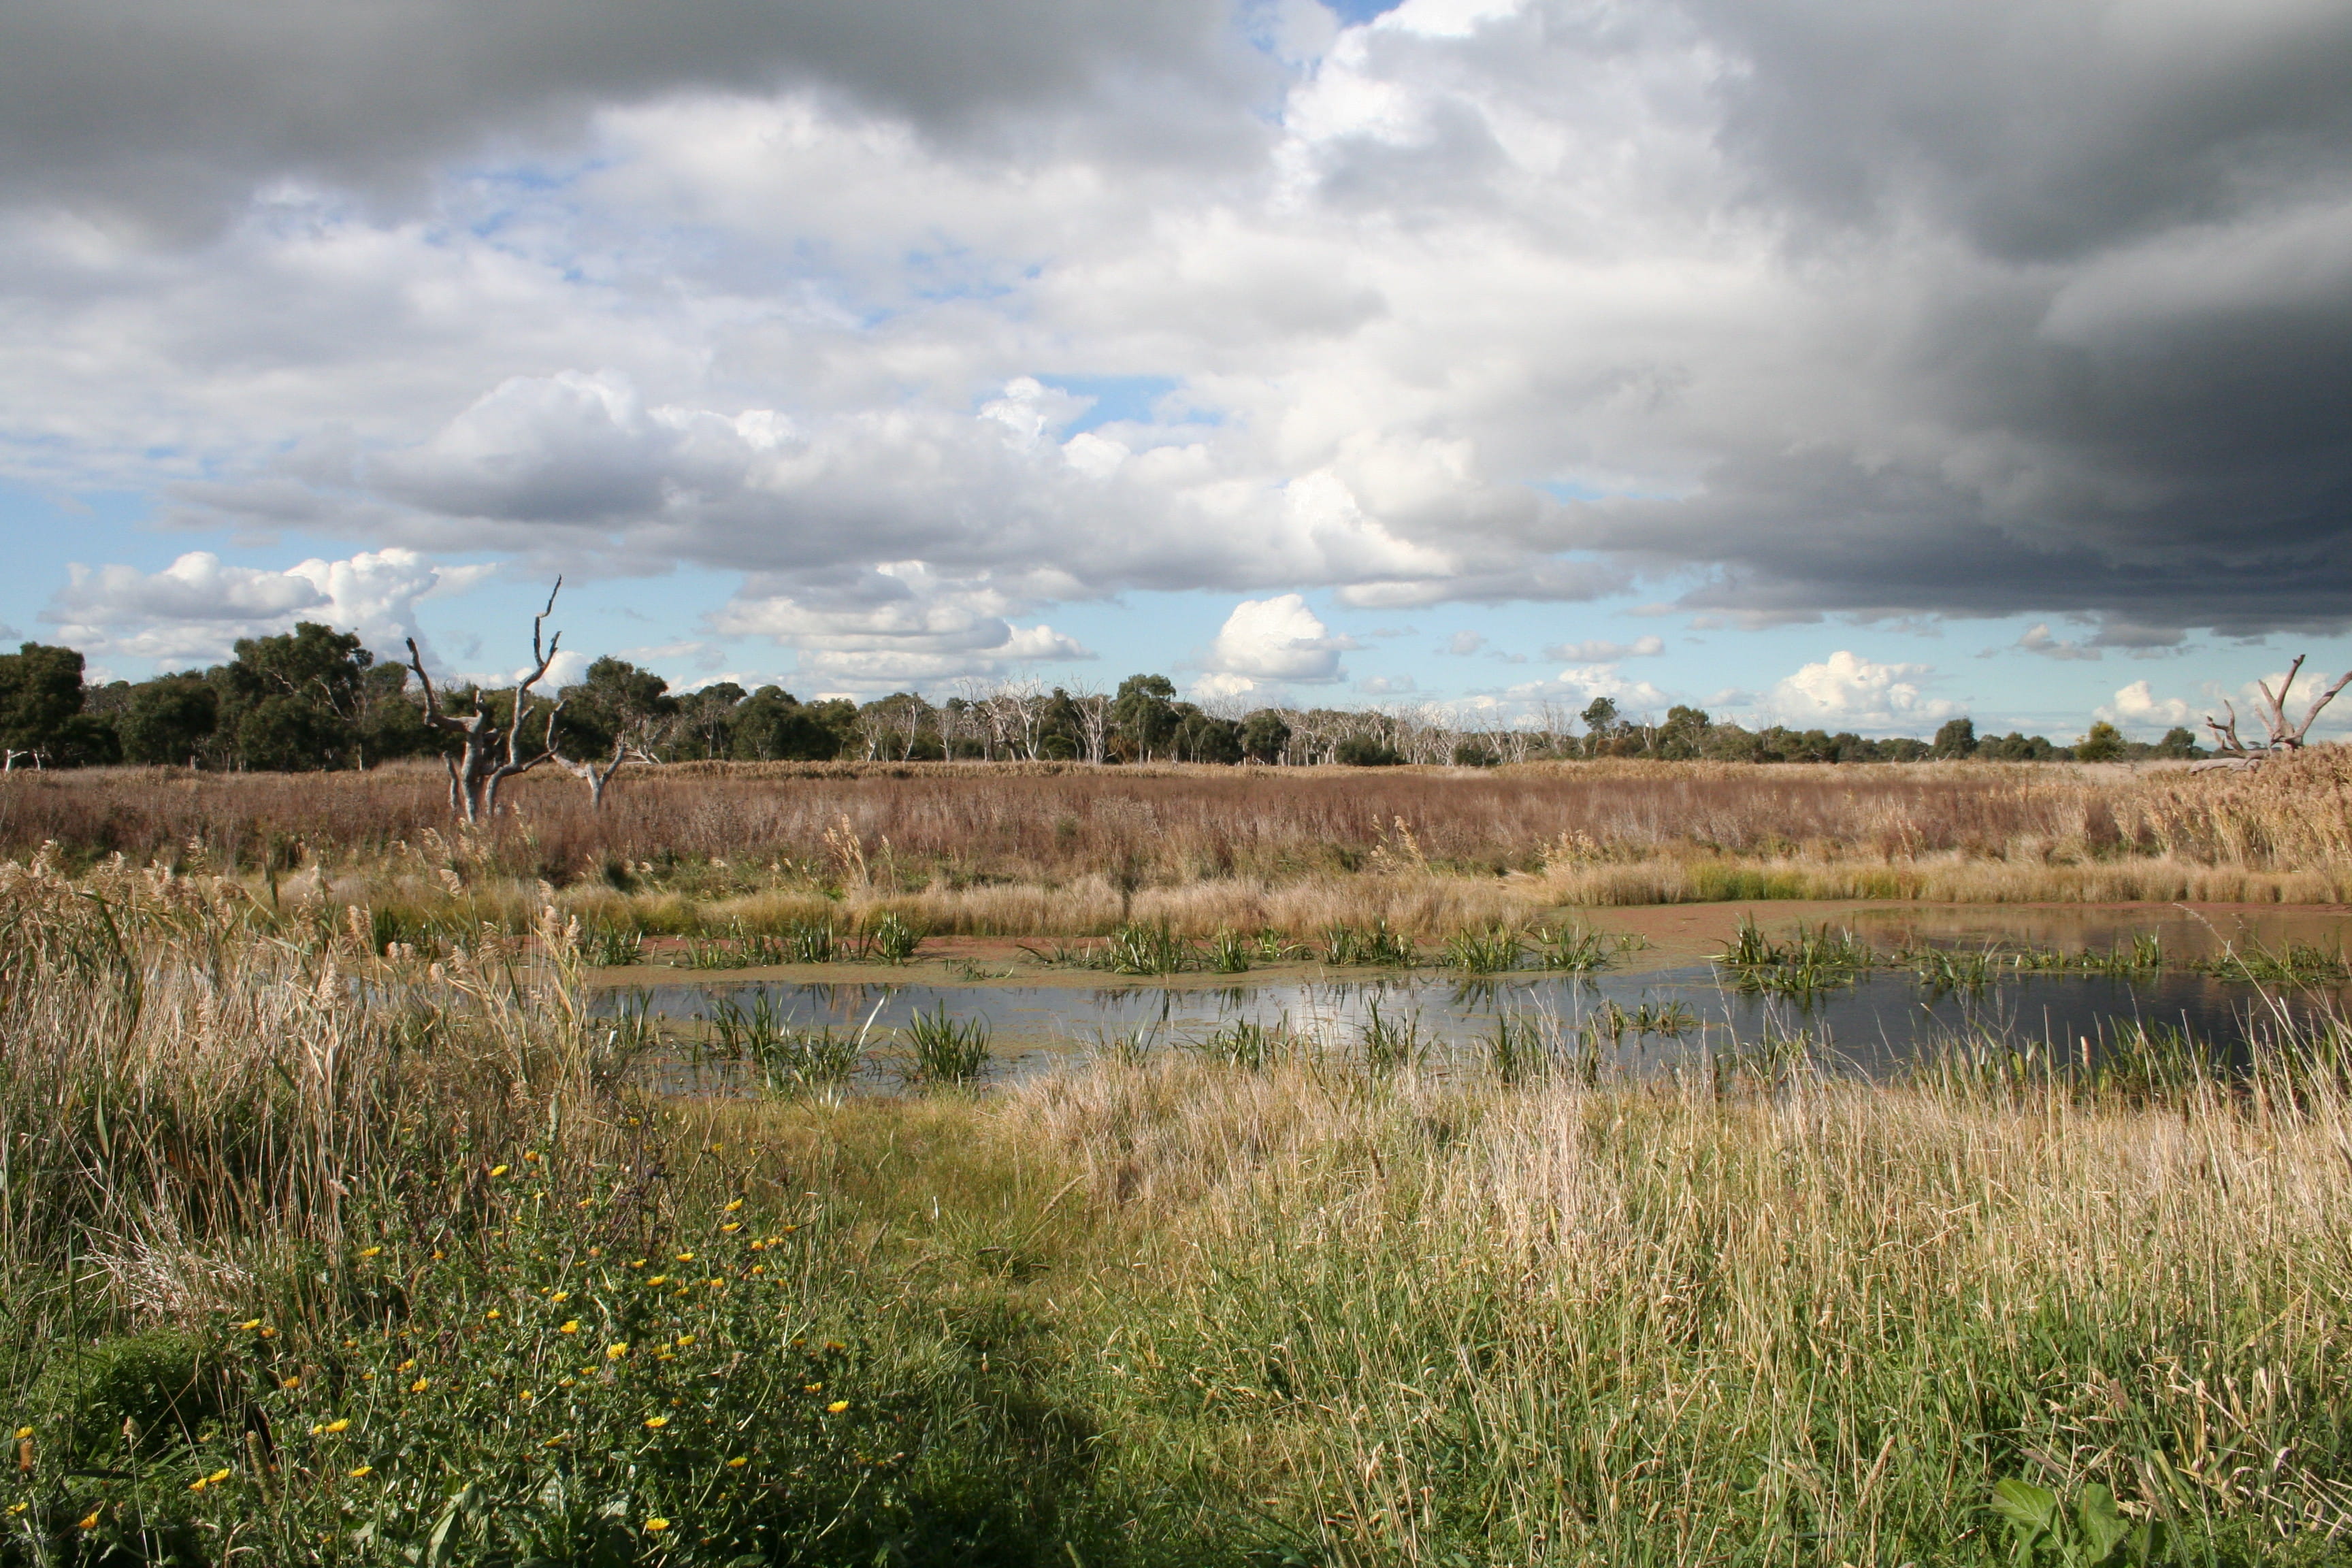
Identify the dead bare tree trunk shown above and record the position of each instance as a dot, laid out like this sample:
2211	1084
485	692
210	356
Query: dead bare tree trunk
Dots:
488	754
589	773
2283	736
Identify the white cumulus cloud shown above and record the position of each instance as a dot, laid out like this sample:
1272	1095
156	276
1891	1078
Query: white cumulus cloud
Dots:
1847	691
198	607
1277	640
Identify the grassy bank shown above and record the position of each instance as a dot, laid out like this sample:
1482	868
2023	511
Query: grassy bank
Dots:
1060	850
317	1256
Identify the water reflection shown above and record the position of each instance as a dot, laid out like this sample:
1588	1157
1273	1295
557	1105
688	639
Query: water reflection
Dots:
1639	1022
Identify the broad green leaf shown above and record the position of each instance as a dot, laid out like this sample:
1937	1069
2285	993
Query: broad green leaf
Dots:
2028	1508
2102	1527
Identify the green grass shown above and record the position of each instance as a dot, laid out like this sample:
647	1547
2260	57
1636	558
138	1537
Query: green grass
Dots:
304	1226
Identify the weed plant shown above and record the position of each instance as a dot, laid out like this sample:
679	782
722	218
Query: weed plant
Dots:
1373	945
1495	950
945	1052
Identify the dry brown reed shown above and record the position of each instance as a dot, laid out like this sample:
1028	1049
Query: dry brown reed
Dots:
182	1073
1059	848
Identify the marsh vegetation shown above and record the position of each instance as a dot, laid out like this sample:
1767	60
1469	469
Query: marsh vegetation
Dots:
317	1252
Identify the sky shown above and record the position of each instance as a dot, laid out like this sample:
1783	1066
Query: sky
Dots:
1818	362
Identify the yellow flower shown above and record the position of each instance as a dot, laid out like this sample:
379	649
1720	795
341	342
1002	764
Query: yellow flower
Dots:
686	1257
759	1268
684	1339
532	1155
23	1433
340	1424
196	1486
268	1333
737	1463
836	1407
420	1385
89	1523
528	1397
572	1327
758	1245
736	1205
370	1251
250	1323
290	1383
585	1204
732	1226
18	1507
614	1352
812	1388
655	1526
494	1312
560	1295
834	1345
658	1279
363	1473
498	1170
408	1365
217	1477
595	1252
655	1423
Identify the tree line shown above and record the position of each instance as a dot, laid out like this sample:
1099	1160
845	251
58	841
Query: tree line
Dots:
315	699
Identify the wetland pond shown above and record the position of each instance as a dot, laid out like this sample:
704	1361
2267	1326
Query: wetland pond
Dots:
1862	989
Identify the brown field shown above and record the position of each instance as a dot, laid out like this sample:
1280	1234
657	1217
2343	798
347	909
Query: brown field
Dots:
1045	849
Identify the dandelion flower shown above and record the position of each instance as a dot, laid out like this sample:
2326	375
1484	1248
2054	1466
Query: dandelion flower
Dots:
498	1170
340	1424
23	1433
737	1463
758	1245
686	1257
655	1423
560	1295
250	1323
734	1205
363	1473
655	1526
684	1339
217	1477
420	1385
572	1327
658	1279
732	1226
836	1407
616	1352
89	1523
295	1382
370	1251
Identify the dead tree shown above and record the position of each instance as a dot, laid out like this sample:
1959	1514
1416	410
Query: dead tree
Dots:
589	773
490	754
2284	736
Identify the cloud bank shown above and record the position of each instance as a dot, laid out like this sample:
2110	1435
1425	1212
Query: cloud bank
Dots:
2036	306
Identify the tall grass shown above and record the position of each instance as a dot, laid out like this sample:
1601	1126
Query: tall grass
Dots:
386	1256
1072	851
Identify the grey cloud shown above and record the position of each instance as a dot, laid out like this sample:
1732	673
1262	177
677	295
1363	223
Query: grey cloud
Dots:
171	105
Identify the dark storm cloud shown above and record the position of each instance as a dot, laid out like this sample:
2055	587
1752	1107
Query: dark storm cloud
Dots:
2139	377
171	106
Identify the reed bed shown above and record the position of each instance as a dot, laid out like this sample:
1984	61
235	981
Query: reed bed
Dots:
1064	850
318	1254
